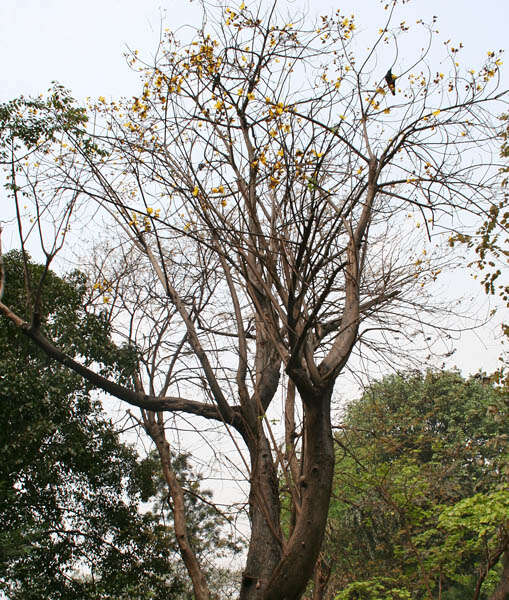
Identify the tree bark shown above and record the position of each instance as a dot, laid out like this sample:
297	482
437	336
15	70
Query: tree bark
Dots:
265	547
289	579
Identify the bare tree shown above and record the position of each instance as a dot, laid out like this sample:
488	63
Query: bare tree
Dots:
271	210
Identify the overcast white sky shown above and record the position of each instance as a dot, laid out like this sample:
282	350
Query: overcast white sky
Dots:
81	45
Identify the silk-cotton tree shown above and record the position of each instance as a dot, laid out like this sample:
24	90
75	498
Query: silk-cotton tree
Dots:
273	217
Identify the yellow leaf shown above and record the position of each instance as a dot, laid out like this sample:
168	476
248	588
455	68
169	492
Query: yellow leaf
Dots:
195	191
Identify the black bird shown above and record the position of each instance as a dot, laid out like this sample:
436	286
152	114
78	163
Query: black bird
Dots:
390	78
215	82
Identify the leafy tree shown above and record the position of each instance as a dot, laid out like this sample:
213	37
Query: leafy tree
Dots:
420	500
70	491
268	211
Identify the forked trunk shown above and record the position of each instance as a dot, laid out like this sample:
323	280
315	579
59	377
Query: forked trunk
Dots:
271	573
265	547
290	577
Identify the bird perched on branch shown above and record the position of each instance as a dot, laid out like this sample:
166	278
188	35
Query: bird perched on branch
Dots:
390	78
215	82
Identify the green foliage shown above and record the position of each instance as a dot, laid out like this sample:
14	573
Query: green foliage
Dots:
71	525
469	527
418	495
30	123
375	589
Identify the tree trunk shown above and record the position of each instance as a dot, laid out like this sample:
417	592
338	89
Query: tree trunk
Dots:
265	547
289	579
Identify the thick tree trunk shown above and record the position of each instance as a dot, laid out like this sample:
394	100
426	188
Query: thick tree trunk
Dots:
289	579
265	547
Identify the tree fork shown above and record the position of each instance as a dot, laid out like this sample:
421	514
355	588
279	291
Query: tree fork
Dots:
289	580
